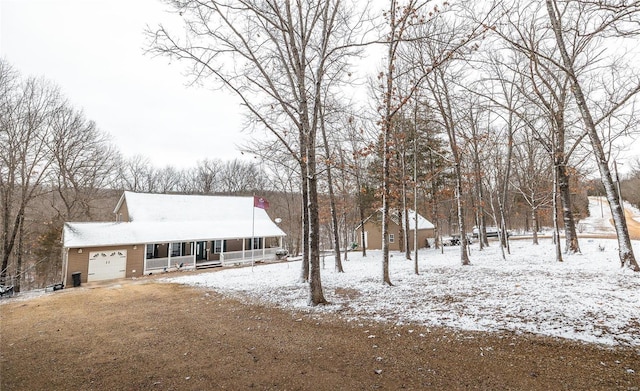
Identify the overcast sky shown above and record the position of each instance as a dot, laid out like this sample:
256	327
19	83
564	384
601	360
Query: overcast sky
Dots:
93	50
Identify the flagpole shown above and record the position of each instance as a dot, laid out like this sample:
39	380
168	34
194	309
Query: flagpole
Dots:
258	202
253	225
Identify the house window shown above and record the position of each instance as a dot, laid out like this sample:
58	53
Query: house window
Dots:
150	248
392	238
257	243
176	249
152	251
218	246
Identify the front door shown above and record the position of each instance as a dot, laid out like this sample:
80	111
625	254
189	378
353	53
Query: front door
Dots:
201	251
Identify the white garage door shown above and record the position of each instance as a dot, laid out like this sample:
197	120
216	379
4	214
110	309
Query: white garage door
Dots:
107	265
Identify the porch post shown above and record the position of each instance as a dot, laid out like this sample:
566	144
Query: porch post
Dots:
65	263
193	253
169	251
144	262
243	245
264	245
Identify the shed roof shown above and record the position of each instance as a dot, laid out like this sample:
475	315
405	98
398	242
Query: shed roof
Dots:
422	222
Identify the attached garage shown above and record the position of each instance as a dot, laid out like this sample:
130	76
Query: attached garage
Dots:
107	265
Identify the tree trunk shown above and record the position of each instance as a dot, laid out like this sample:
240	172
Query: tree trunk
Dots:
534	223
415	191
495	222
556	226
447	112
362	216
434	204
386	141
306	257
404	216
332	199
505	186
385	208
316	296
482	231
9	243
571	236
407	236
401	228
20	251
464	255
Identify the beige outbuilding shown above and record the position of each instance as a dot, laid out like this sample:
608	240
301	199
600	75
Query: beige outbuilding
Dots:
372	227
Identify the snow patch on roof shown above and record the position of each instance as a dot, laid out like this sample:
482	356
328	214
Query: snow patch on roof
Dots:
179	207
160	218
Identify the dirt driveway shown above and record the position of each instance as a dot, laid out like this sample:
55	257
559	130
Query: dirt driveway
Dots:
633	225
149	336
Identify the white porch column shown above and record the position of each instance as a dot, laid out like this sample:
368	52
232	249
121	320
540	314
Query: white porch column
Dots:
144	262
193	253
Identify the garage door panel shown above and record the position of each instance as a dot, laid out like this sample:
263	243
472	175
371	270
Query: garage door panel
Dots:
107	265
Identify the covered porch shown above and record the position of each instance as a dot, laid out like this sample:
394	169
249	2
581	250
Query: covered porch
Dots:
197	254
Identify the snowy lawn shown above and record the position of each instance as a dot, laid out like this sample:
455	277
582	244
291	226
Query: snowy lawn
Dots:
587	297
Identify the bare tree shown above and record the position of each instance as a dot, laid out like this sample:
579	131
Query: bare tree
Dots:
25	133
275	56
206	175
357	141
441	87
238	176
329	160
284	172
541	81
83	163
590	22
137	174
474	114
532	174
167	179
409	23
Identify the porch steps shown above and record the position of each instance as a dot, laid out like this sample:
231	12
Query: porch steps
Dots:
208	265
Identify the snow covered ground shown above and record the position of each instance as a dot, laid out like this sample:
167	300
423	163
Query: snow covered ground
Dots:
588	297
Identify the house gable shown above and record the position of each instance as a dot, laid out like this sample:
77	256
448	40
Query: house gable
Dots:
121	210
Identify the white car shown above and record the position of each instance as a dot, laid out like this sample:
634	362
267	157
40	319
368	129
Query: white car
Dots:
492	232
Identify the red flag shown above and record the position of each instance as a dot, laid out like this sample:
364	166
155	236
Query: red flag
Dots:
260	202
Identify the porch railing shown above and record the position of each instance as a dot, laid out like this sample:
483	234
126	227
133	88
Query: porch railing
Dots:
238	257
228	258
187	261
